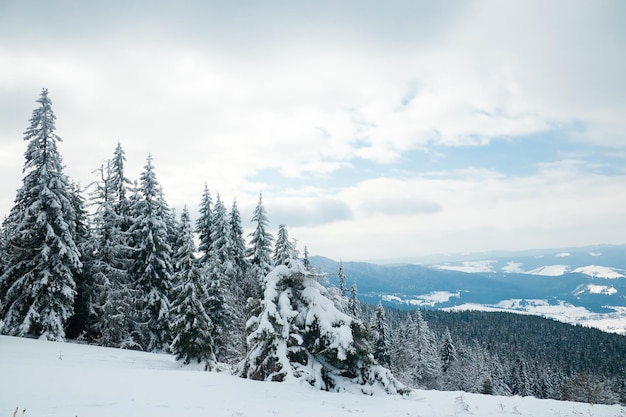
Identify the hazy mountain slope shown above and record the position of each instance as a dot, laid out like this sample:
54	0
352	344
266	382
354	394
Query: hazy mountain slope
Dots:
583	285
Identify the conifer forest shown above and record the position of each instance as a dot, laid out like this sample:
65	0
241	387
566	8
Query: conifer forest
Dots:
113	265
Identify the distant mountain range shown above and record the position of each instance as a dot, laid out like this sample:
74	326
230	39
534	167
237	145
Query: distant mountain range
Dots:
584	286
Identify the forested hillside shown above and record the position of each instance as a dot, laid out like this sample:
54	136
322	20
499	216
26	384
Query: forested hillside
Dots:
528	355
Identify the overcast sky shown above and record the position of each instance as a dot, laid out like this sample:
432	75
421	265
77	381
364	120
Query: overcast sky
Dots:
373	129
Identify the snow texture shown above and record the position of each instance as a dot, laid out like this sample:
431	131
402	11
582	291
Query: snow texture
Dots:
49	379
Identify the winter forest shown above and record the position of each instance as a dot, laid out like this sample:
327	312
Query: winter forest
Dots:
113	265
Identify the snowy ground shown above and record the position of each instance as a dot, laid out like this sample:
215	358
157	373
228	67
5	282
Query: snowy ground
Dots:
63	379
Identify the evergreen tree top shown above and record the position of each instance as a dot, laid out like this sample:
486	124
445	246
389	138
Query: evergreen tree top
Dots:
42	122
41	153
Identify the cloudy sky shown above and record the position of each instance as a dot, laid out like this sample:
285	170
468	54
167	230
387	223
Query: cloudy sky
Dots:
373	129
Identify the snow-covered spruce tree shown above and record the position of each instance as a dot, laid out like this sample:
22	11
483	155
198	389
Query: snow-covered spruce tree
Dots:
42	256
300	334
80	325
520	382
447	351
260	250
151	270
247	280
382	336
222	270
245	286
171	222
354	307
238	242
305	259
415	353
284	249
120	185
192	327
113	294
204	225
341	276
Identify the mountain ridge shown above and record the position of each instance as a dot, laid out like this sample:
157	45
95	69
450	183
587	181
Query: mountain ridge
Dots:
584	285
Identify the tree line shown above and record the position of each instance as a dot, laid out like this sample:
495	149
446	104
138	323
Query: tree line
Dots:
115	274
126	273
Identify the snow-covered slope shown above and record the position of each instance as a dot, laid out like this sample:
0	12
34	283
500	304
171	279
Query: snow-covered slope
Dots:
599	271
40	378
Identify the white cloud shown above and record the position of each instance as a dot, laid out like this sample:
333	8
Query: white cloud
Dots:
219	95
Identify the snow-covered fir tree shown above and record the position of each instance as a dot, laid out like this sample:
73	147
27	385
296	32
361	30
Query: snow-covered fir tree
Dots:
415	353
80	325
300	334
284	249
447	351
151	269
260	250
341	276
192	328
38	284
171	223
354	307
245	287
114	295
238	243
520	382
305	259
223	286
120	186
381	337
204	225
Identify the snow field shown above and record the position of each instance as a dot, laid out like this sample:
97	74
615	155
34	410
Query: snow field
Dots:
50	379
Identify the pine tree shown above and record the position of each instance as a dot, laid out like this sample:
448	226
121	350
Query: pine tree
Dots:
354	308
42	256
222	270
204	225
306	261
341	275
415	353
447	351
284	249
245	287
261	242
152	269
119	184
113	294
171	223
521	384
428	365
81	323
382	338
192	327
238	242
300	334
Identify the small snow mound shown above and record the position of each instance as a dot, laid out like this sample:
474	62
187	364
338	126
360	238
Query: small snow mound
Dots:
562	254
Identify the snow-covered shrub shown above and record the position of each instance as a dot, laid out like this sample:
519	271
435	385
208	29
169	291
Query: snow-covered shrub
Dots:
300	334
